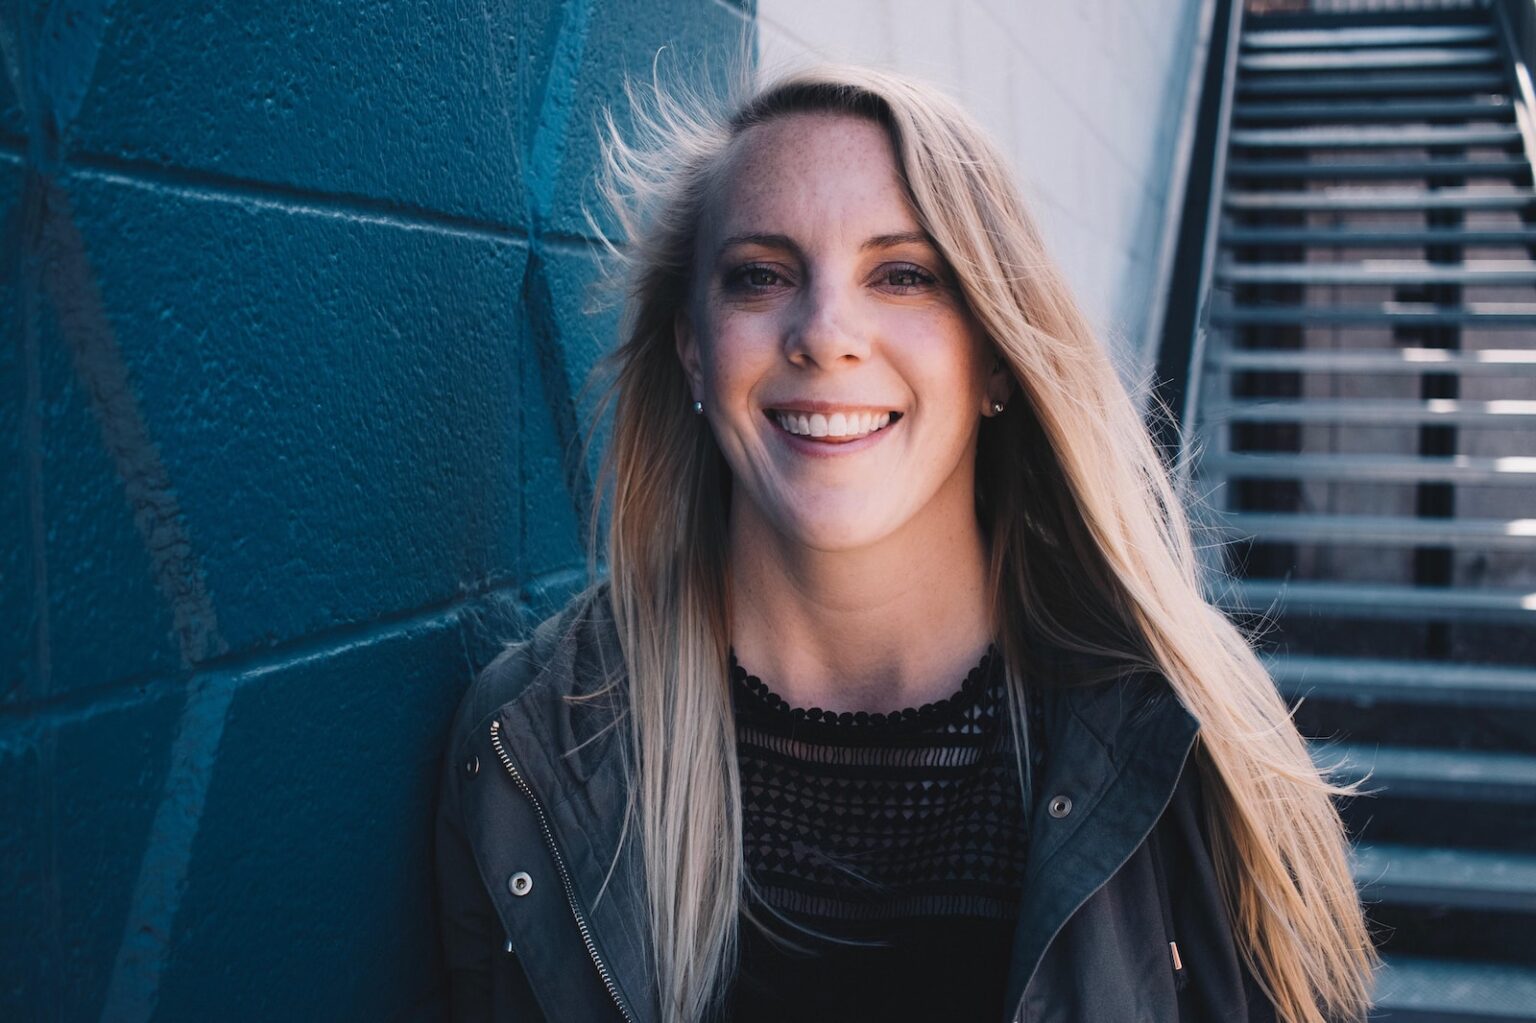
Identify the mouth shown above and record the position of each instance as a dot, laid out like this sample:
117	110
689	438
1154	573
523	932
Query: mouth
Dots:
831	429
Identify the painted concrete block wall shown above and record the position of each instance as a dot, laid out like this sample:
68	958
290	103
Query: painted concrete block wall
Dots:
1082	95
293	322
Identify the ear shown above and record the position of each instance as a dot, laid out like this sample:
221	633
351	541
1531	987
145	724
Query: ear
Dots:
688	350
1000	386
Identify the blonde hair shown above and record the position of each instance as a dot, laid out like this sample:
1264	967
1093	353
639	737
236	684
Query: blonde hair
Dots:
1085	521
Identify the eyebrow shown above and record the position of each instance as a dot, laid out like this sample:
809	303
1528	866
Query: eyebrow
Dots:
887	241
767	241
782	241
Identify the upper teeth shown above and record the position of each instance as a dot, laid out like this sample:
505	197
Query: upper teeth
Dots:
838	424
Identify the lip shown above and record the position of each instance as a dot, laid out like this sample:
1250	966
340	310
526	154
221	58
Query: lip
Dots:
826	408
818	447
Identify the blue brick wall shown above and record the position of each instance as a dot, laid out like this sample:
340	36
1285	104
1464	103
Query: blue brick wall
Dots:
293	327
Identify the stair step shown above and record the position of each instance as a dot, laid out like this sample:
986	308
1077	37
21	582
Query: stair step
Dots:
1371	138
1368	169
1396	62
1361	199
1480	314
1448	83
1479	879
1382	601
1374	468
1417	682
1385	35
1416	57
1414	989
1356	236
1416	772
1375	411
1491	361
1481	108
1481	534
1382	271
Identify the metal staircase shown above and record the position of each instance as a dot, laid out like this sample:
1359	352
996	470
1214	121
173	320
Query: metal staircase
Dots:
1364	403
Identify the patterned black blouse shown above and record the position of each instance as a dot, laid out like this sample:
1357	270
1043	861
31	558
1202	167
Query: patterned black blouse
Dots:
884	855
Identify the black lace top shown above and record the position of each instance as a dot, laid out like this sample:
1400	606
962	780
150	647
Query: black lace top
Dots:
899	839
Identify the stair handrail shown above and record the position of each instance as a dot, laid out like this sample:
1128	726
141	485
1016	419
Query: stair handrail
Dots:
1181	353
1517	39
1211	248
1179	175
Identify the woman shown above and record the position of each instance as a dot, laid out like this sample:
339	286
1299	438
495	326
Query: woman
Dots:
901	699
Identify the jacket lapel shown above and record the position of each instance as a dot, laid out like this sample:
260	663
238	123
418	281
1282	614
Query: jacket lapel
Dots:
1115	749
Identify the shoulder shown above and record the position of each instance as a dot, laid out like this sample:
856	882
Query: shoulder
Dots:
553	660
1126	707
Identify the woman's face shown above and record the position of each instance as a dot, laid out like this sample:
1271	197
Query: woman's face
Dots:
840	372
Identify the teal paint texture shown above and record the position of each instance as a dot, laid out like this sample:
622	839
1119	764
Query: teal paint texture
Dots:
294	330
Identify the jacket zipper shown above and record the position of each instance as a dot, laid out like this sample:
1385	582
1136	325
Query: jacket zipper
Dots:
565	877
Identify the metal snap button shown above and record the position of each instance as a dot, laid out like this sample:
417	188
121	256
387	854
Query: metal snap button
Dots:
472	765
520	883
1060	806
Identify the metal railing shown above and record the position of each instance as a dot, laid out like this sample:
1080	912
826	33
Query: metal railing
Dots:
1180	352
1517	28
1350	6
1519	17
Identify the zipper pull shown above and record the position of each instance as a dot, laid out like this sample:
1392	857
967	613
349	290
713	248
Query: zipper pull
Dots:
1180	975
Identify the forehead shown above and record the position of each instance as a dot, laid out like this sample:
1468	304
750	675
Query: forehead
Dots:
822	169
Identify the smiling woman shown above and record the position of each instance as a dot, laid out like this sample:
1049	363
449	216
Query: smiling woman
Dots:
819	305
997	756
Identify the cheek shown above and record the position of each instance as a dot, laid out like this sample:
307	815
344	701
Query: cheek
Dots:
941	357
972	361
739	351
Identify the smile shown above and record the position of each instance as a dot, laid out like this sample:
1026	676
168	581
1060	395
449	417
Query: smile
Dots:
837	427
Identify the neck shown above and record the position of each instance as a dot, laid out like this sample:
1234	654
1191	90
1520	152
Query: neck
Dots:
892	625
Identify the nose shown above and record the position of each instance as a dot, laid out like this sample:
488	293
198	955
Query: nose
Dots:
828	329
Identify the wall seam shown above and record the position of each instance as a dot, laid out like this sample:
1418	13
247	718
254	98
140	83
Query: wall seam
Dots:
19	730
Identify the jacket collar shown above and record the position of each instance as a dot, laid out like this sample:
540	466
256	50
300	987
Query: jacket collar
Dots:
1115	748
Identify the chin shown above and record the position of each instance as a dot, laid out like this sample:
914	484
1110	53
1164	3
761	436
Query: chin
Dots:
830	534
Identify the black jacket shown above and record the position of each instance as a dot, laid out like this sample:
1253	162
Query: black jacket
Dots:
531	801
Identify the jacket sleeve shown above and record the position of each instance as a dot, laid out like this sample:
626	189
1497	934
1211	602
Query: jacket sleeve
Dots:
1218	985
486	980
467	919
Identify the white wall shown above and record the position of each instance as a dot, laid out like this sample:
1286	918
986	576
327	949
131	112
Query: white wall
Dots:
1083	95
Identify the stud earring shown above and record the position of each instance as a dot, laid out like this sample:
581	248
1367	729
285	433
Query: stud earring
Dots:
698	408
997	408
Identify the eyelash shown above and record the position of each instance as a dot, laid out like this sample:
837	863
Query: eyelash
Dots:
924	278
737	279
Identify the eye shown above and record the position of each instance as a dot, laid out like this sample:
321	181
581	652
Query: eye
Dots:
907	277
753	277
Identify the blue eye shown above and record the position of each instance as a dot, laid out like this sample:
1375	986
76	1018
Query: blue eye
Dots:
752	277
905	276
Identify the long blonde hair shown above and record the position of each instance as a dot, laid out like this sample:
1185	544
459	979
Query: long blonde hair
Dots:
1085	519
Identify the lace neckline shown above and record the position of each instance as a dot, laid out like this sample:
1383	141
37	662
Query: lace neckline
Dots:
763	699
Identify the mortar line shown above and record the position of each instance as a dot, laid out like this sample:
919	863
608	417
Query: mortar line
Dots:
35	719
357	209
198	184
23	224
